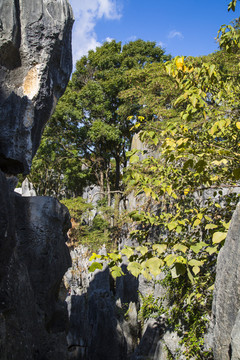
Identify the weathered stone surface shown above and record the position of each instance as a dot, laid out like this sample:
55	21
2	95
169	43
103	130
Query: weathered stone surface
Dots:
226	300
35	65
103	317
34	258
235	339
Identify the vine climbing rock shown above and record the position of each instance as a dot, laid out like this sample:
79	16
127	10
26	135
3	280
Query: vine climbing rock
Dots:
35	65
226	299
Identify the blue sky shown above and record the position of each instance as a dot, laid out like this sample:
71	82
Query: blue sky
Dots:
186	27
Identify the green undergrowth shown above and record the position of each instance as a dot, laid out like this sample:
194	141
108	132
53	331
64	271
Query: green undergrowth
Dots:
88	229
188	318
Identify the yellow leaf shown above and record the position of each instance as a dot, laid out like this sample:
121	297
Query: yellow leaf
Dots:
147	275
180	63
238	125
196	269
160	248
196	222
218	237
147	191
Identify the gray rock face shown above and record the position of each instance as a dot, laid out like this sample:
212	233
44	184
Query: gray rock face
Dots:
34	258
35	65
103	316
226	300
103	320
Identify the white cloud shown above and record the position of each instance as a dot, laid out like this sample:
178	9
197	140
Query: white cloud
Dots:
162	44
174	34
132	38
108	39
86	14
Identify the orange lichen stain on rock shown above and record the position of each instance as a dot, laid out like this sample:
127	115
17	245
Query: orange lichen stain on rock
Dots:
31	82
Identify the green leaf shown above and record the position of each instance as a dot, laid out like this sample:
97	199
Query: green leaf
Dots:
232	5
181	260
211	250
134	268
172	225
134	159
236	173
196	269
200	165
196	222
211	70
94	266
207	218
178	229
160	248
193	100
142	249
136	216
197	247
146	274
210	226
147	191
190	276
177	270
114	256
180	247
128	251
116	271
218	237
187	164
154	264
211	288
95	256
195	262
170	259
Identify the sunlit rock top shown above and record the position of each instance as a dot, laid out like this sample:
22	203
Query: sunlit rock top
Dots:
35	65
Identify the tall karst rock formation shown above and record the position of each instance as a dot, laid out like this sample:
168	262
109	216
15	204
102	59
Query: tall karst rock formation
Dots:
35	65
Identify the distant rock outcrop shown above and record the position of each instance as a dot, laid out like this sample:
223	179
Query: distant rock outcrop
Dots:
35	65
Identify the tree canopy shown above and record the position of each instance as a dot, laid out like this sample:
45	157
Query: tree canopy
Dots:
90	129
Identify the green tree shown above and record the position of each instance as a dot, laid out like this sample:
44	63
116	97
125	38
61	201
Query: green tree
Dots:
87	125
191	116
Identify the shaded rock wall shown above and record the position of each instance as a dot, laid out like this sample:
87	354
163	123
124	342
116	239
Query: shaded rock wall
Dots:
34	258
35	65
103	315
226	300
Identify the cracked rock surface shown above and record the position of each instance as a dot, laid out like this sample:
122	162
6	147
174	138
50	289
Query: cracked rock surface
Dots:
35	66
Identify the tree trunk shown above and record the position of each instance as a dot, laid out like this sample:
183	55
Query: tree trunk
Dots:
117	171
101	184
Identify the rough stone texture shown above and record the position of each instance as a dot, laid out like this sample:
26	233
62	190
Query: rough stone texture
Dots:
34	258
103	323
35	65
103	315
226	300
235	339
